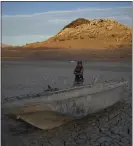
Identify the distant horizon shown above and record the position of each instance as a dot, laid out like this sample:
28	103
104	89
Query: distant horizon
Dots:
28	22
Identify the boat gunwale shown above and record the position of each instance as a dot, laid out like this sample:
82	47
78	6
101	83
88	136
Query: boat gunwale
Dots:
47	93
33	101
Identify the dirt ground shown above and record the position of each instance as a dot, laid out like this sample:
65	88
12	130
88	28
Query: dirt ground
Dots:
110	127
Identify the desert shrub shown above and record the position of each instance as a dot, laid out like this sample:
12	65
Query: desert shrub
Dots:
81	37
62	39
92	36
113	35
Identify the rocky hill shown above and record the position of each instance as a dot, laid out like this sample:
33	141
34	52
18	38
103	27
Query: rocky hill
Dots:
83	33
88	36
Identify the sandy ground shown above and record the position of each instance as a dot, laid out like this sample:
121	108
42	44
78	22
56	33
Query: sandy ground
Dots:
110	127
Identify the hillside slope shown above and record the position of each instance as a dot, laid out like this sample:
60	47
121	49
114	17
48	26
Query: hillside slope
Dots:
81	39
83	33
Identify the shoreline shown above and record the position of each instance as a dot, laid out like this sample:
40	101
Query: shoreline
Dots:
64	60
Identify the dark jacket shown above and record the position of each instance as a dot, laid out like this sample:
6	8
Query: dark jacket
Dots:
78	70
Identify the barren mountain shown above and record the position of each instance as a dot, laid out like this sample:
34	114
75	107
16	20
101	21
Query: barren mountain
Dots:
83	33
82	38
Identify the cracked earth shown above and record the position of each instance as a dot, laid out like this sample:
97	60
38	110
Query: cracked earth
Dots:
110	127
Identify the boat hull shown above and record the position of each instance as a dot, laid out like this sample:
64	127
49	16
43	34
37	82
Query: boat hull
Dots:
47	115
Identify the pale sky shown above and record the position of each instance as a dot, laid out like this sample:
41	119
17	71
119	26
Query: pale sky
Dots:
26	22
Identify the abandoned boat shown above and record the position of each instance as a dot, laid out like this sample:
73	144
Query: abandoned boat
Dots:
53	109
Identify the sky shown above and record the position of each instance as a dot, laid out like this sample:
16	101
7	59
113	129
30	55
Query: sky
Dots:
27	22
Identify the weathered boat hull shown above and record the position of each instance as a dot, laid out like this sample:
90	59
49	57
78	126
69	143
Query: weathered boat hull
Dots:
54	110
